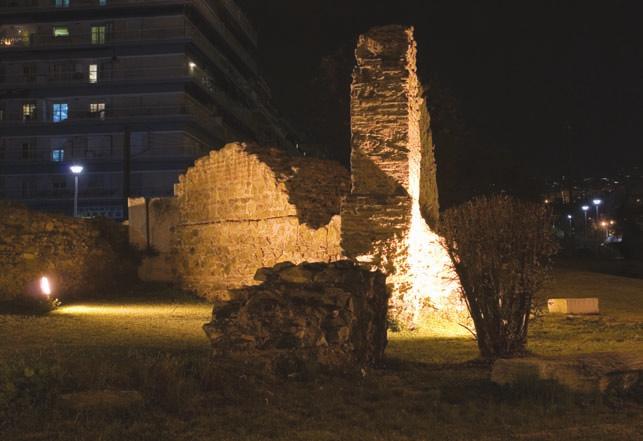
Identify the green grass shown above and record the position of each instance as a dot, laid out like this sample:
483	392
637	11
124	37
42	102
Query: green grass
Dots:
432	387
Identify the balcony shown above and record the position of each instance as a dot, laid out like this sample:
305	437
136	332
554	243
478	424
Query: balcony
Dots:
103	76
12	6
19	38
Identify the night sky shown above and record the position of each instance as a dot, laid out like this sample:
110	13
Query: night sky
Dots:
543	88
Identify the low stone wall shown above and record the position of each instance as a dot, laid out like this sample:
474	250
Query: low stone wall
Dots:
332	315
81	257
245	207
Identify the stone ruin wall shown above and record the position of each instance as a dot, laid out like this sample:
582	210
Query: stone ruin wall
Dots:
394	195
245	207
81	257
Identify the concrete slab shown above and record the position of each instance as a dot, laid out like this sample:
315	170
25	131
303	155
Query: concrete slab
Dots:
584	306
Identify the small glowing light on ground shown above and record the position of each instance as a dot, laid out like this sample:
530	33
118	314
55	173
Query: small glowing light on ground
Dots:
45	286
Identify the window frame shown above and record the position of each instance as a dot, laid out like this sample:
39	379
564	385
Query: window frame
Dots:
98	109
56	28
93	74
99	33
29	111
59	115
58	154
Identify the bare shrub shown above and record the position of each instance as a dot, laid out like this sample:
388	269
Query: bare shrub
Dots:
501	248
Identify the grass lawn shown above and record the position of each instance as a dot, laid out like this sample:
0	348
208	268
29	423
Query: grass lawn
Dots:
431	389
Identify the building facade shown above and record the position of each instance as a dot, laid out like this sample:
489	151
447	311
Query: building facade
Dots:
132	90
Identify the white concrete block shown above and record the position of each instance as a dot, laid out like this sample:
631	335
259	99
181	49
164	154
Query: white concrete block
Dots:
573	306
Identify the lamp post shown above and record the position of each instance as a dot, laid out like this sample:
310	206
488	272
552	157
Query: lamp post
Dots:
569	218
585	208
596	203
76	170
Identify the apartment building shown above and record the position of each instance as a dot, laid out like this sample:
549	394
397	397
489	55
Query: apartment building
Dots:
132	90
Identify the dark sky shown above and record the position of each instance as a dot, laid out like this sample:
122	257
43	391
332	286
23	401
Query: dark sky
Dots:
522	72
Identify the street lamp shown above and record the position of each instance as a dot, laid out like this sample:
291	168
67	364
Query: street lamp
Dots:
569	218
596	203
76	170
585	209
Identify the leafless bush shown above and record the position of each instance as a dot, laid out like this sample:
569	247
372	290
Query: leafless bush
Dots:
501	248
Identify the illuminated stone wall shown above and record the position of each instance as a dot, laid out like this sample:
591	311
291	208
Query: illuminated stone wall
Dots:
394	195
245	207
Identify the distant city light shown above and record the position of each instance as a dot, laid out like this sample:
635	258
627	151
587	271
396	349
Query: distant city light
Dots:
604	224
45	286
569	216
547	201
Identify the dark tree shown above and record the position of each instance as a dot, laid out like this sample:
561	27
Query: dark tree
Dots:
501	248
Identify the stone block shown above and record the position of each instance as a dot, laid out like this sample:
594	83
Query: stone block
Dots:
586	373
573	306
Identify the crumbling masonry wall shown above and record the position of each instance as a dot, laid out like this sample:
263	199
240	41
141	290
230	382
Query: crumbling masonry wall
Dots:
246	207
394	195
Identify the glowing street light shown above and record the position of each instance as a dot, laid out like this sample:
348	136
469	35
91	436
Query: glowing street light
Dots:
569	218
596	203
76	170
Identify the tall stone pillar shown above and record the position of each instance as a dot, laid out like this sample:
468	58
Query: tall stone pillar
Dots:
394	195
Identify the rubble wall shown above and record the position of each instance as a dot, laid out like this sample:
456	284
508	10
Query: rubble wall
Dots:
81	257
245	207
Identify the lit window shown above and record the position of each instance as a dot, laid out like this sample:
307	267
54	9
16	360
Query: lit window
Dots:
98	34
58	155
60	112
62	3
61	31
97	109
28	112
93	73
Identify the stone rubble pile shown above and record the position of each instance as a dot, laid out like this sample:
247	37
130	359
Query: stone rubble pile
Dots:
313	314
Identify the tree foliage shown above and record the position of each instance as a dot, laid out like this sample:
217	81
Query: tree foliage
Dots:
501	249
